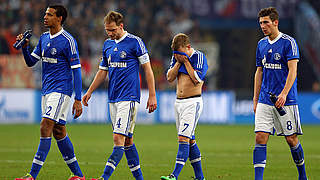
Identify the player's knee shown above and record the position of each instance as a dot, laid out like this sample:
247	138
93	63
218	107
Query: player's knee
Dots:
292	140
46	127
58	133
192	141
183	139
128	141
118	139
261	138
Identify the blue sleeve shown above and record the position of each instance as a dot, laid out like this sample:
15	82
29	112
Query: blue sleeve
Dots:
77	82
140	47
291	49
72	54
258	57
201	67
173	62
104	60
29	59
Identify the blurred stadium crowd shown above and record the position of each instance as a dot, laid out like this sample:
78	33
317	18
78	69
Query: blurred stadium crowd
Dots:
155	21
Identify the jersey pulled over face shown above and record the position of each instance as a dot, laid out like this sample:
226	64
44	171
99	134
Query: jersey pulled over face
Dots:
122	58
198	62
273	57
59	54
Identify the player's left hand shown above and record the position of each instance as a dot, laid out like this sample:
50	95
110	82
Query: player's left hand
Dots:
281	100
76	109
180	58
152	104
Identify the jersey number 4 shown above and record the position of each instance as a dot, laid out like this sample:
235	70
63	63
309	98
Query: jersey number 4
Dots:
119	123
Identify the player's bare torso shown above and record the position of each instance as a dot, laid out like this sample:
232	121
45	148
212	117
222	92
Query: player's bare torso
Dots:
186	88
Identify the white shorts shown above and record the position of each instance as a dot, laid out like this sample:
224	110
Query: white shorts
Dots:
267	119
187	112
123	117
55	106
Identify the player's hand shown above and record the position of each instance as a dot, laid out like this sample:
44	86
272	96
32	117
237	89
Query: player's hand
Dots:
281	100
180	58
152	104
76	109
19	37
255	103
86	98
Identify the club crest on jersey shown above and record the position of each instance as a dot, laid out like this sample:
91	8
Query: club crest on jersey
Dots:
53	51
123	54
277	56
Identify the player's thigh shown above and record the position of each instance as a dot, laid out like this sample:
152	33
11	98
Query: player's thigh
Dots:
177	107
264	118
56	107
289	123
125	118
188	118
113	112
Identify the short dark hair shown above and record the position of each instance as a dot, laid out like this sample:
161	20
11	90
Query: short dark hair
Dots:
271	12
113	16
60	11
180	40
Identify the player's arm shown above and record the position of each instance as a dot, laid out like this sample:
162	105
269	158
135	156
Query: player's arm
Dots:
98	79
292	66
77	107
173	72
29	59
152	100
257	86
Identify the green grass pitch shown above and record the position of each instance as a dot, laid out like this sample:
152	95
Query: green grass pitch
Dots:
226	152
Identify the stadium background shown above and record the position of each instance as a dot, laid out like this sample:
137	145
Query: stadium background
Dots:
226	30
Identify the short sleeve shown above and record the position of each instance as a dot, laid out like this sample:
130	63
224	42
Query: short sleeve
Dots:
258	57
103	64
140	48
291	49
104	60
201	67
172	62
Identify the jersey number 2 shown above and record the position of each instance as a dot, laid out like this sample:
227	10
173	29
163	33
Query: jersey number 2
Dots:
49	108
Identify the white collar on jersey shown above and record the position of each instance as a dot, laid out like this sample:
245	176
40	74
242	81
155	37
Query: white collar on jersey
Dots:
193	51
276	39
56	34
124	36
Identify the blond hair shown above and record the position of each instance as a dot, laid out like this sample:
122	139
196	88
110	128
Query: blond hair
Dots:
113	16
180	40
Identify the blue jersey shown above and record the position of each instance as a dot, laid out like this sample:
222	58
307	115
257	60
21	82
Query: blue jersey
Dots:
273	57
59	54
121	58
198	62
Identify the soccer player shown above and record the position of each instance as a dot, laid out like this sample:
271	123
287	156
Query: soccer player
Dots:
189	67
277	56
58	51
122	54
